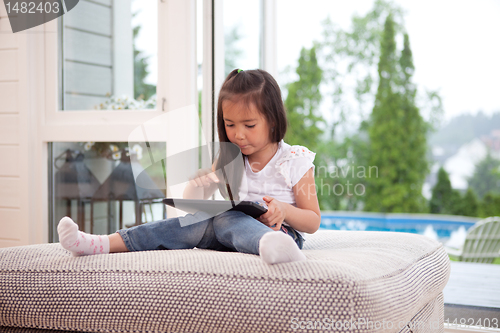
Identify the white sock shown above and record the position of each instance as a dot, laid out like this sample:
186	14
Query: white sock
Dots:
276	247
80	243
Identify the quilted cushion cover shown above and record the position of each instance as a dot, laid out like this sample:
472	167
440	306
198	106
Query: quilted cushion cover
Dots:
360	278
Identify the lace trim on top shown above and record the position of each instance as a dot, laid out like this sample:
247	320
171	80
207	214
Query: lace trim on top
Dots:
282	165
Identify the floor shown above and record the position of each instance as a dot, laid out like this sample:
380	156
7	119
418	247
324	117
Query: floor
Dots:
472	294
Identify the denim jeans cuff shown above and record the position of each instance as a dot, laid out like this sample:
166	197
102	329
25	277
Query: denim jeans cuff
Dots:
128	243
299	240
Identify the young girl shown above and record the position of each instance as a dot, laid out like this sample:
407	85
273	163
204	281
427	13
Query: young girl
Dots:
251	115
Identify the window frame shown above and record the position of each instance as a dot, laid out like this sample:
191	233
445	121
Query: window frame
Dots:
176	88
176	22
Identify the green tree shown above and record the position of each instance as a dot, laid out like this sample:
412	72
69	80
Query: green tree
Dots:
471	203
302	102
397	134
442	193
306	127
142	90
414	142
486	177
358	148
455	202
351	161
385	126
468	205
327	153
349	58
340	180
490	205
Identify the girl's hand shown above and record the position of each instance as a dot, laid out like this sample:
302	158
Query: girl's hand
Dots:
275	214
203	178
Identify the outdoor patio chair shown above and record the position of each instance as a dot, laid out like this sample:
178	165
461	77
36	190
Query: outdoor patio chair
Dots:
356	281
482	243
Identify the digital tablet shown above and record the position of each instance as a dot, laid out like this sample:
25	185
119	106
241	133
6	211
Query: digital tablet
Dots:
215	207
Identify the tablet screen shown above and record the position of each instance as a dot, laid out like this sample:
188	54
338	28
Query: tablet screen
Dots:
216	207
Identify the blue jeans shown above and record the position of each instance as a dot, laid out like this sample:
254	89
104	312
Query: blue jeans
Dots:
229	231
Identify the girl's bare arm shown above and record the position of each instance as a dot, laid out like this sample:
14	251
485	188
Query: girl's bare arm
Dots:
202	186
306	217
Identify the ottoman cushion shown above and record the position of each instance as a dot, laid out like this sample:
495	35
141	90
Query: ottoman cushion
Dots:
365	278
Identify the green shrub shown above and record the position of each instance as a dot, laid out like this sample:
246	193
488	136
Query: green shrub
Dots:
490	205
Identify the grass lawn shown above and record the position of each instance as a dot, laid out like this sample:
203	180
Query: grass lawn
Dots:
495	262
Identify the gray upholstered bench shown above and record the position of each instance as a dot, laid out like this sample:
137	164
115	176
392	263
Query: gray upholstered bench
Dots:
378	282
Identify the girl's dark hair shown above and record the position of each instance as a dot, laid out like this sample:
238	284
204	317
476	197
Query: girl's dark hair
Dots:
255	87
259	88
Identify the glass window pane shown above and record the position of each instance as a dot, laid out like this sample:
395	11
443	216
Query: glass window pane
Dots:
108	55
242	21
93	183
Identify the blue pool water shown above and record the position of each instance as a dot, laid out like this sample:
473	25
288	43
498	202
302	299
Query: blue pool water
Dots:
445	228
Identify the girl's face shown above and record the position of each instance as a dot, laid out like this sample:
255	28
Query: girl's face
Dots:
247	128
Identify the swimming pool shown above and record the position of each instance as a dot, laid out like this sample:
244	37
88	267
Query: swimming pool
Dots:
447	229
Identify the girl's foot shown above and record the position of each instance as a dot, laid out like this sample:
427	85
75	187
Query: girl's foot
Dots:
276	247
80	243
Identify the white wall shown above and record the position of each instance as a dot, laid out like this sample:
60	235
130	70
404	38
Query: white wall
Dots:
13	146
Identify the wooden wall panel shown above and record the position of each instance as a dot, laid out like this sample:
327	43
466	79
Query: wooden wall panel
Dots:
9	160
76	102
104	2
3	11
9	224
88	79
8	242
8	97
8	65
9	129
90	17
88	48
10	196
8	40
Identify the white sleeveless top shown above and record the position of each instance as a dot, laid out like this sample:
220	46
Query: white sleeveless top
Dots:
277	178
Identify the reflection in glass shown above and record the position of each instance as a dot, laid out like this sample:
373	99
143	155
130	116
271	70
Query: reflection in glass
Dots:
74	182
106	186
94	184
107	55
